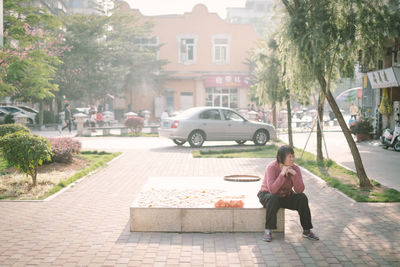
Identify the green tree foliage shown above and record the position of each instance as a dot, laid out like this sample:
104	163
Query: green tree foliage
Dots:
83	73
107	55
28	60
325	37
25	152
268	86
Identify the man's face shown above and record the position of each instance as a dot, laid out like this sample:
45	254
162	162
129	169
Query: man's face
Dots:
289	160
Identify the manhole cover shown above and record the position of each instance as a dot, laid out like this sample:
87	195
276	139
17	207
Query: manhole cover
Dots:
242	178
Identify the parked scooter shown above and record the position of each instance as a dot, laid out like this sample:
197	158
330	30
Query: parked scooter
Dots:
391	138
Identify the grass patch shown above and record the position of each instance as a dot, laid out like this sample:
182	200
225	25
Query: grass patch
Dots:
128	135
52	177
142	135
268	151
335	175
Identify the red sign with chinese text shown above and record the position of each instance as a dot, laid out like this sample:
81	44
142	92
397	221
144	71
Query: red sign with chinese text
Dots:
227	81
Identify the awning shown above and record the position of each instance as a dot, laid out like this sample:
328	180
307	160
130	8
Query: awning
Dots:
384	78
350	94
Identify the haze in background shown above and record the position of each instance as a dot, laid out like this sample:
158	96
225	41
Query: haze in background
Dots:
168	7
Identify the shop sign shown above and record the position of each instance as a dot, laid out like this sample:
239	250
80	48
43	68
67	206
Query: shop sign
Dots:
227	81
383	78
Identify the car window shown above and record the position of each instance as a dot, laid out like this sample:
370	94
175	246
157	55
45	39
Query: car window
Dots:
232	116
28	109
212	114
10	109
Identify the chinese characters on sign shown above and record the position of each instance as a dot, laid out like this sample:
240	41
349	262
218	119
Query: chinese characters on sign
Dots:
383	78
227	81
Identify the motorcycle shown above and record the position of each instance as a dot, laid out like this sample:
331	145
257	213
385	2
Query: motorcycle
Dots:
391	138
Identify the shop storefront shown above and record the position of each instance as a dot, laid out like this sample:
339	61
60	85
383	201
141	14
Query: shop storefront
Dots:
385	86
226	90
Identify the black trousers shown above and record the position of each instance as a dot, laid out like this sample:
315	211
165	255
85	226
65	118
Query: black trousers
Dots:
297	202
67	125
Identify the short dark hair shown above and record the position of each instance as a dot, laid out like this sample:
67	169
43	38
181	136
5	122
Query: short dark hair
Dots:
66	105
283	151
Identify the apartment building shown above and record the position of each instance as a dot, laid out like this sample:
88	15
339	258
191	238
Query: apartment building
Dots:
207	62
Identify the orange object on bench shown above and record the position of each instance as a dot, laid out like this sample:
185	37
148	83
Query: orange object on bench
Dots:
229	203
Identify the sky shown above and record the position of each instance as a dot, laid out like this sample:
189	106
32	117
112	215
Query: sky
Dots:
163	7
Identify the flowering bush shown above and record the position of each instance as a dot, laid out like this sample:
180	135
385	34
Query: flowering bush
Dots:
64	148
135	124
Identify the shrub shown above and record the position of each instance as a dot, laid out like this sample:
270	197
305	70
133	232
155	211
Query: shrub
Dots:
135	124
361	126
9	118
64	148
25	152
12	128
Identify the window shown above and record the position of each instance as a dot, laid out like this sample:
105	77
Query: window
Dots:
222	97
146	41
232	116
147	44
220	46
212	114
187	48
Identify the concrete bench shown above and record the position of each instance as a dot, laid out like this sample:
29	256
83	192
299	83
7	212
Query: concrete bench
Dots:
205	219
106	130
151	128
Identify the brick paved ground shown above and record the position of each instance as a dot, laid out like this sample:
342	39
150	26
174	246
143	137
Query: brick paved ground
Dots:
88	224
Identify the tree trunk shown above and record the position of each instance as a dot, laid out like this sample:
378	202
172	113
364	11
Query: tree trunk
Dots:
34	175
41	114
289	112
362	176
320	109
274	114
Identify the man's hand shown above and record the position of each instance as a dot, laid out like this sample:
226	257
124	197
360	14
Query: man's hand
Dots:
292	171
284	170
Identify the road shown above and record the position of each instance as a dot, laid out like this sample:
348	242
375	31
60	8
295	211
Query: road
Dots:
380	165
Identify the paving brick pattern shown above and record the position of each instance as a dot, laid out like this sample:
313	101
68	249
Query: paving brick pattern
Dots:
88	225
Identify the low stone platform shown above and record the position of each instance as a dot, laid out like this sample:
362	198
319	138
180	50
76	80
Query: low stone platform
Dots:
186	204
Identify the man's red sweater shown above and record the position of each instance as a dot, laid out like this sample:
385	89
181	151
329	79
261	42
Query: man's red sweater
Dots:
275	183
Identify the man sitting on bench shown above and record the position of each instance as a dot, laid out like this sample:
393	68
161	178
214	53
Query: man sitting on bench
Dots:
283	187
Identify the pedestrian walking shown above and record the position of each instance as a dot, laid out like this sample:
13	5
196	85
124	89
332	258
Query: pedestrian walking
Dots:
283	187
68	118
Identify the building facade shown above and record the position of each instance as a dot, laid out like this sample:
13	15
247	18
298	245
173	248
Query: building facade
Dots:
206	56
385	78
259	13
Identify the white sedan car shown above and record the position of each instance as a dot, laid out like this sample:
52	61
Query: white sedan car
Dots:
200	124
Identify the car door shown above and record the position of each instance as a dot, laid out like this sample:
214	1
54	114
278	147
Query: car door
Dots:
210	122
236	127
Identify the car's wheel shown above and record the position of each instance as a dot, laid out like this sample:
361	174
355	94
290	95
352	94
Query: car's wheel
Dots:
30	121
196	138
179	142
397	145
240	142
261	137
